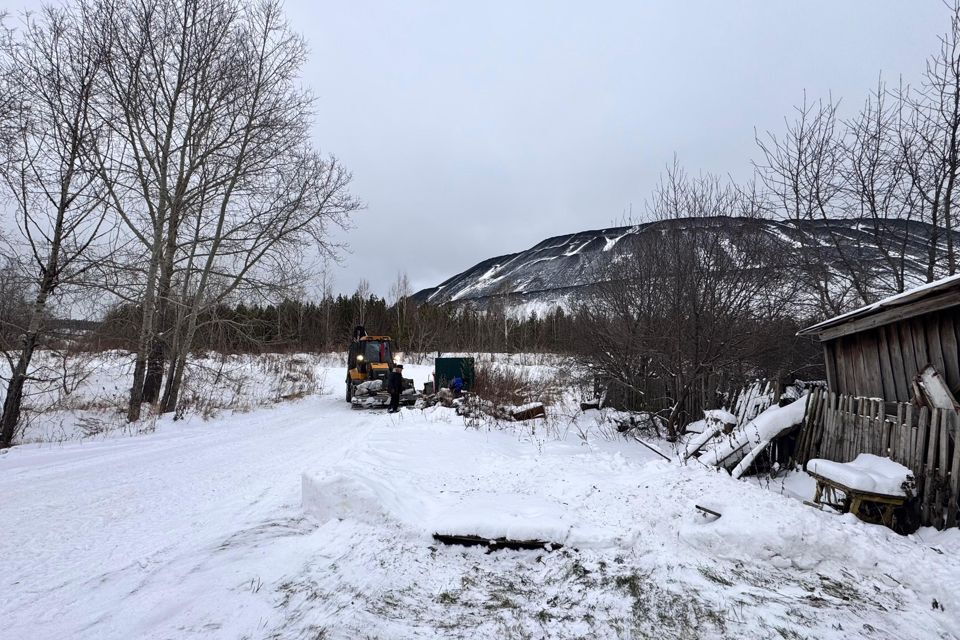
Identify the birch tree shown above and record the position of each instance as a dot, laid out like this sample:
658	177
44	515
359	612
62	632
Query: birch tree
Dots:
211	169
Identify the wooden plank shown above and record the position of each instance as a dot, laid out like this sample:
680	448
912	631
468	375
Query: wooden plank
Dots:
821	422
888	446
942	467
843	418
870	352
910	438
807	426
909	360
842	432
851	428
869	428
875	439
951	355
828	438
852	431
817	424
920	442
818	442
855	409
900	380
954	480
931	329
847	363
934	390
856	434
877	444
832	442
897	449
919	343
887	381
830	360
934	303
930	469
834	428
813	425
862	385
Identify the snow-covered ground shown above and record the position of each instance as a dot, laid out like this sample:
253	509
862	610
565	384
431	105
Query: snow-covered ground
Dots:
84	395
306	519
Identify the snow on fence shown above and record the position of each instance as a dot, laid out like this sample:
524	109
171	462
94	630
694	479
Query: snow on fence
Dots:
753	399
839	427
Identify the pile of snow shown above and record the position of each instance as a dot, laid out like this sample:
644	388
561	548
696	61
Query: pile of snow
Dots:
489	514
714	421
867	473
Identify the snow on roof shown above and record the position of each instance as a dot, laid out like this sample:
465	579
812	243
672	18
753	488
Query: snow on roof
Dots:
897	300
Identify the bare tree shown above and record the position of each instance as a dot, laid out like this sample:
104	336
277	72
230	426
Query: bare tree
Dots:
258	250
684	297
399	299
878	190
930	143
362	294
803	174
48	173
211	168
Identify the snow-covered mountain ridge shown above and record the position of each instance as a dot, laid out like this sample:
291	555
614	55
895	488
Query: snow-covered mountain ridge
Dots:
558	270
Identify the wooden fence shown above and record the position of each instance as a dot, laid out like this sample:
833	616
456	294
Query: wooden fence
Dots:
744	398
839	427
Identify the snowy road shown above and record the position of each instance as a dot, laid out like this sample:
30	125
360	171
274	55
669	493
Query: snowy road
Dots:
198	531
89	526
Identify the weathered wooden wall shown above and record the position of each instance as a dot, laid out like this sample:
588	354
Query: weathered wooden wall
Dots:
882	362
839	427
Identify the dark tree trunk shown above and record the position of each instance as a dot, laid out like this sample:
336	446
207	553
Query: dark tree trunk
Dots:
12	403
171	391
153	378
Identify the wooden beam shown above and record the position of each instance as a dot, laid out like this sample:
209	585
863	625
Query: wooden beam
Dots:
886	316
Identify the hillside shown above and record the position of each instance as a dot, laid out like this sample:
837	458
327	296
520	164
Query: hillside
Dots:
558	270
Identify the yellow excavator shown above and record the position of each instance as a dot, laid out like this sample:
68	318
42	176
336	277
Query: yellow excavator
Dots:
369	362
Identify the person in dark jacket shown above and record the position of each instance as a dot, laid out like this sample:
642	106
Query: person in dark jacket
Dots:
395	387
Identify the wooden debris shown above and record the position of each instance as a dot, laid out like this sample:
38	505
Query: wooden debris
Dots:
654	449
496	543
931	390
528	412
707	511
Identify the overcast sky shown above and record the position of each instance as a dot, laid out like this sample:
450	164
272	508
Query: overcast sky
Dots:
475	129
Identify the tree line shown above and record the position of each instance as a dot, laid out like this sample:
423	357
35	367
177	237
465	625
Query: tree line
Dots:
326	325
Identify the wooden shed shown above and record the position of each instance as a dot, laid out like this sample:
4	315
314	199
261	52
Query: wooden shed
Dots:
878	350
893	374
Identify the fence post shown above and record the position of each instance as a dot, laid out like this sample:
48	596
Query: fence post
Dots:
954	477
931	459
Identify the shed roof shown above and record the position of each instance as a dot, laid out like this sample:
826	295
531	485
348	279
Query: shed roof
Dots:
926	298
